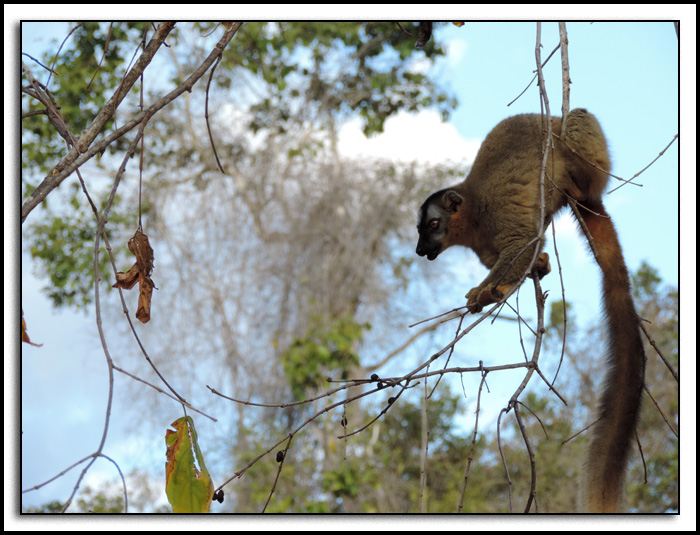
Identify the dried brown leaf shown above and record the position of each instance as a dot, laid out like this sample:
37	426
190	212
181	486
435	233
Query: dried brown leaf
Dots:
143	252
25	336
143	312
128	279
140	272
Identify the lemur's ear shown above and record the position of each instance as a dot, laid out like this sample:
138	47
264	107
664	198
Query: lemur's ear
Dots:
451	200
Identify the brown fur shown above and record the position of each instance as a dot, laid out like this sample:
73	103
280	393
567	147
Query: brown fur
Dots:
496	212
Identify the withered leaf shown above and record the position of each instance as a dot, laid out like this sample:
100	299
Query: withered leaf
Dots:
140	272
143	312
128	279
25	336
142	251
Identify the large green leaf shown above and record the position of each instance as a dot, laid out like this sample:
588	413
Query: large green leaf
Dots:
187	483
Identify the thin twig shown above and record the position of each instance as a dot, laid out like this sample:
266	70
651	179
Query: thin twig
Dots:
646	167
534	77
104	54
509	483
533	470
470	455
673	371
206	115
279	471
565	79
425	439
161	391
39	63
658	409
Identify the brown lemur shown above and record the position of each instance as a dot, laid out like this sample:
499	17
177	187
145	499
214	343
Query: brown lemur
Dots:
496	212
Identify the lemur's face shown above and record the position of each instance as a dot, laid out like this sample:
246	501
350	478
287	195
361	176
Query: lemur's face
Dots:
433	221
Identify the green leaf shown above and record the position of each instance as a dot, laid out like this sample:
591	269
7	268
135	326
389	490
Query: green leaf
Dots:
187	483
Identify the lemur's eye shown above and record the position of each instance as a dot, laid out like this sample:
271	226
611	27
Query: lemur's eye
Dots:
434	223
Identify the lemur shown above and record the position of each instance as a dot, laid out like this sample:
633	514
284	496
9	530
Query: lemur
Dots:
496	211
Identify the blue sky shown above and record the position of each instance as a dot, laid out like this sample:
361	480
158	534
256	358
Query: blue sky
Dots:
625	73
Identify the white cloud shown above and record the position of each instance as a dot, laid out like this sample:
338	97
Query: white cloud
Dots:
411	137
456	50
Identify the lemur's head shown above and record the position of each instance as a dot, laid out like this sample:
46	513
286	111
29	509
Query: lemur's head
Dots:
434	219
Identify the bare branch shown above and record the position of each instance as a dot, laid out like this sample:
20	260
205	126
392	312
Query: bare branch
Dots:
470	455
58	174
531	454
71	161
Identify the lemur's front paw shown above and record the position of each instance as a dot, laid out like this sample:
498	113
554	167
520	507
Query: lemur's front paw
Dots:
482	296
542	266
472	304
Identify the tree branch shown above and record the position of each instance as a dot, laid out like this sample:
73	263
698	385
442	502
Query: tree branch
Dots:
58	174
74	159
